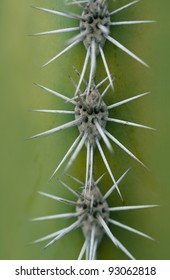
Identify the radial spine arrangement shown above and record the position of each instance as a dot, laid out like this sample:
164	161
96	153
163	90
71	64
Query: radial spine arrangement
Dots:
90	117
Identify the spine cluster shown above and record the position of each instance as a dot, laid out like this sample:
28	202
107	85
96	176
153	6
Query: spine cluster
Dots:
90	116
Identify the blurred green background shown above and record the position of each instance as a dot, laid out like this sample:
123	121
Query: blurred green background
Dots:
27	165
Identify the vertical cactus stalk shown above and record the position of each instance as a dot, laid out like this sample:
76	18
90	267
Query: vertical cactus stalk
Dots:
90	117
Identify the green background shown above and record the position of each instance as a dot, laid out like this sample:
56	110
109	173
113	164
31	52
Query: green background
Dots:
27	165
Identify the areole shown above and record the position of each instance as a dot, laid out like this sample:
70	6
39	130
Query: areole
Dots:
91	118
